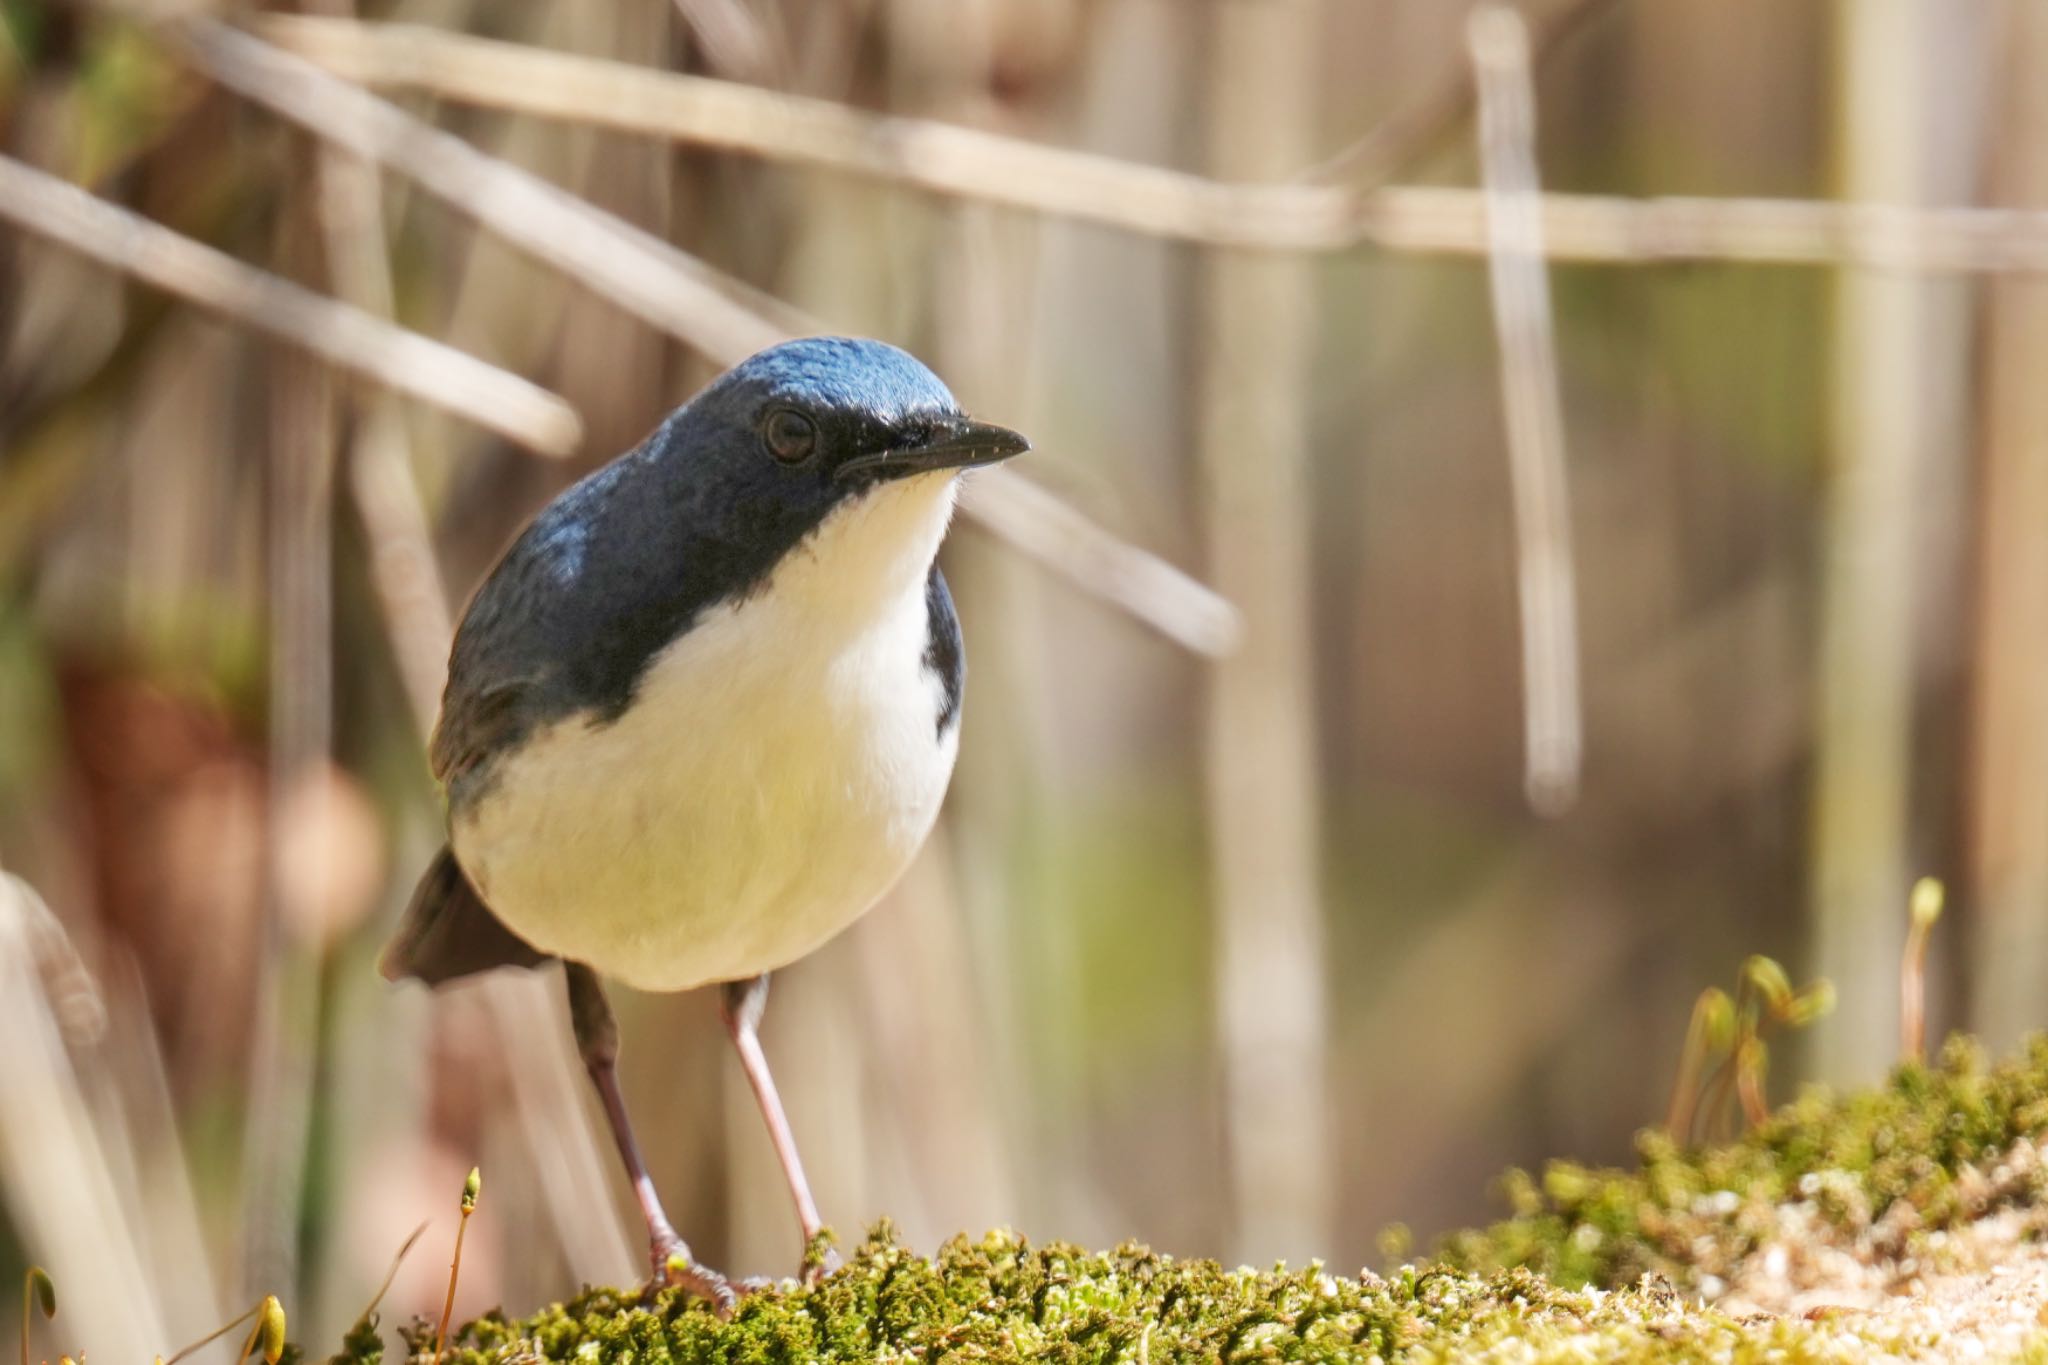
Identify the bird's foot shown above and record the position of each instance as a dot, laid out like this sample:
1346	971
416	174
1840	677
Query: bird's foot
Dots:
675	1268
820	1258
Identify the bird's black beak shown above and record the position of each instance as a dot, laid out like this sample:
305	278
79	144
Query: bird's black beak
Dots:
951	443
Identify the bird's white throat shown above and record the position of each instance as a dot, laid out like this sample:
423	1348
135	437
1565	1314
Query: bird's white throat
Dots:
778	769
869	552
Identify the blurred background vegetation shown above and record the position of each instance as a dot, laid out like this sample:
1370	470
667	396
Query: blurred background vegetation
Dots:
1244	934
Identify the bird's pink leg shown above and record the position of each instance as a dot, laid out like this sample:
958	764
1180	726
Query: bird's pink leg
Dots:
597	1038
741	1004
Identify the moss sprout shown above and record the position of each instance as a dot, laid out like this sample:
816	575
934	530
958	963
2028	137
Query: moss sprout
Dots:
1923	910
1732	1028
472	1186
269	1331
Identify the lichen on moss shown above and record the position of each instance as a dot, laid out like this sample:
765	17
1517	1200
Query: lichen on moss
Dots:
1934	1148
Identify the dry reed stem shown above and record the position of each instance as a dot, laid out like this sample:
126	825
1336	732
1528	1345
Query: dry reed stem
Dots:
930	155
1029	518
1553	727
1614	230
633	268
1152	200
347	337
658	283
1253	390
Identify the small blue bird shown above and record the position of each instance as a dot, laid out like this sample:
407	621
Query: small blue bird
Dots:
702	714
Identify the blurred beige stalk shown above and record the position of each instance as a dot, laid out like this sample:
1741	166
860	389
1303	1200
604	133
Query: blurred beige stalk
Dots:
1553	724
2006	813
1263	793
299	556
1883	394
58	1169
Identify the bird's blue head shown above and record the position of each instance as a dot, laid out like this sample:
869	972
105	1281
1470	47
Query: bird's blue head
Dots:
780	441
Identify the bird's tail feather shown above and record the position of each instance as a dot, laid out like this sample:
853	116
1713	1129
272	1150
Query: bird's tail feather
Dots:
448	932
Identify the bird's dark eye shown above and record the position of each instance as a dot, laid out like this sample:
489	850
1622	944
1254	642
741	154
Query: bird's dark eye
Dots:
790	435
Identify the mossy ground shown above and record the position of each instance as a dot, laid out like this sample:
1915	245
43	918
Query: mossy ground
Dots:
1887	1172
1000	1299
1594	1265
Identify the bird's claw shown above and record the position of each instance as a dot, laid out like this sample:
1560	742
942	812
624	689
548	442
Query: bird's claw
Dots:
675	1268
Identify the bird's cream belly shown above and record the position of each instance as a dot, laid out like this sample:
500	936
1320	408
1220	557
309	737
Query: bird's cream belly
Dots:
668	852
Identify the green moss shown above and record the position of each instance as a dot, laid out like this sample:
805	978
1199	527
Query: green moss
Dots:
1001	1299
1912	1157
1928	1151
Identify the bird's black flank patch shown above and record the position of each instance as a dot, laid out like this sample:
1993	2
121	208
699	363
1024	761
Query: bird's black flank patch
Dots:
942	654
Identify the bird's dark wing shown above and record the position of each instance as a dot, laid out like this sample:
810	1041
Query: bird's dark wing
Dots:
522	636
447	931
480	721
